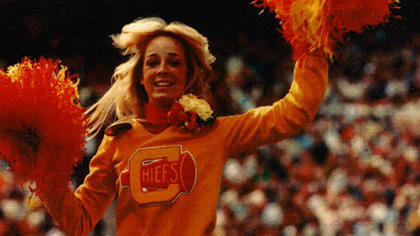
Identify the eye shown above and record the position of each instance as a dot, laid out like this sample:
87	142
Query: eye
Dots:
152	63
175	63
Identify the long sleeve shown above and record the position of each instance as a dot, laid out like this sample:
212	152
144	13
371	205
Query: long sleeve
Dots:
77	213
286	117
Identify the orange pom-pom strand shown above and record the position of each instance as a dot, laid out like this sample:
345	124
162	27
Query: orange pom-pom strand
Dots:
42	126
321	24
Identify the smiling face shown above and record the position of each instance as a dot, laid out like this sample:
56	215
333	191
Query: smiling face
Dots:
164	71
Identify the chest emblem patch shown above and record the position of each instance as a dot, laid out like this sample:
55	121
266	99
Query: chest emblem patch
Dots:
159	175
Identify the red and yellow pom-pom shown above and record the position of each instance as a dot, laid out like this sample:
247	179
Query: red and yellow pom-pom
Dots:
320	24
42	126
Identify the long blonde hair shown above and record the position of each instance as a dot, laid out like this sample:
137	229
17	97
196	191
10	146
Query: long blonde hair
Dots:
127	96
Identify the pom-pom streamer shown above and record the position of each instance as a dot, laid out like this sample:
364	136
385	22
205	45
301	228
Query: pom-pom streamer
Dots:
42	126
320	24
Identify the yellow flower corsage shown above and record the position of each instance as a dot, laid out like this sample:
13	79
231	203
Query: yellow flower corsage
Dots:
190	113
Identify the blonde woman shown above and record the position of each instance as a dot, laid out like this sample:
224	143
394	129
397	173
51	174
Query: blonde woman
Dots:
164	155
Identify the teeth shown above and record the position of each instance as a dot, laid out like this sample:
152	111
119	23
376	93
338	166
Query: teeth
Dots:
163	83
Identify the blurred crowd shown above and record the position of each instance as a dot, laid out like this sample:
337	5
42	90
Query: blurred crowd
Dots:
354	171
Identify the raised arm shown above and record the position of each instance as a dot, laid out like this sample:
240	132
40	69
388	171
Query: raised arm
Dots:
77	213
285	117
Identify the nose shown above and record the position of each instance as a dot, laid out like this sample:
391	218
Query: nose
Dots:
163	68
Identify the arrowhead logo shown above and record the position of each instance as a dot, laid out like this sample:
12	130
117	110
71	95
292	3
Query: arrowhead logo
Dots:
159	175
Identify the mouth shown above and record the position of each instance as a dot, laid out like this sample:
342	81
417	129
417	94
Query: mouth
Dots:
163	83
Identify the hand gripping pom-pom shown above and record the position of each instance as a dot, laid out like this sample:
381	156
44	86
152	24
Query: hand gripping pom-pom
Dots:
42	126
320	24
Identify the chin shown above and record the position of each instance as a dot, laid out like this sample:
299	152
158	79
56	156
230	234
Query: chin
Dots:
163	101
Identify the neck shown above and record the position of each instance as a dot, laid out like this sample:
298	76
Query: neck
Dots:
156	115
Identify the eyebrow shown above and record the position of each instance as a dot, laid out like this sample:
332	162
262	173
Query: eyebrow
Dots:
171	54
